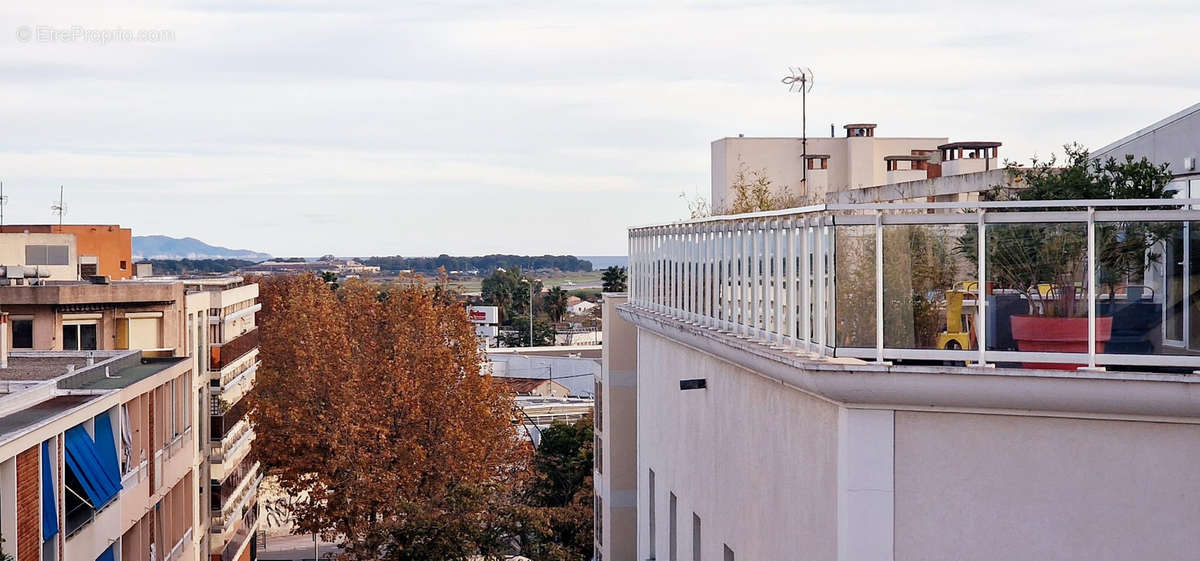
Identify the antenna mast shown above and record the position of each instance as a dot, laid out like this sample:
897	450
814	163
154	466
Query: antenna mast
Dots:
3	201
801	79
59	207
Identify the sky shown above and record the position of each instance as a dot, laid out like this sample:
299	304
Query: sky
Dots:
364	128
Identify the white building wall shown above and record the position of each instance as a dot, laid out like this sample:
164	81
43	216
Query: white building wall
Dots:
757	461
1008	487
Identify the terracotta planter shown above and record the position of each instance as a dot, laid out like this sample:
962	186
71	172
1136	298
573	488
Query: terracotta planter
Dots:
1057	335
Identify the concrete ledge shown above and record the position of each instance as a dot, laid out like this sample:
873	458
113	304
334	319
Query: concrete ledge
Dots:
1149	396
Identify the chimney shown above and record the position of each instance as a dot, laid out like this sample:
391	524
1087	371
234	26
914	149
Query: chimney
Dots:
3	339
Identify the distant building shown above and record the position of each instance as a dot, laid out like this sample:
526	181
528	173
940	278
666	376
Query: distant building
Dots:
533	387
857	160
581	308
102	249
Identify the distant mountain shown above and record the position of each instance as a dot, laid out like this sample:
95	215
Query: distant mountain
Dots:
166	247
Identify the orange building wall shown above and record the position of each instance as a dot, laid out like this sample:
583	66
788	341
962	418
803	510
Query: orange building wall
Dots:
112	244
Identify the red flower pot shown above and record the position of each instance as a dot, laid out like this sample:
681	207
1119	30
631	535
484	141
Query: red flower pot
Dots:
1057	335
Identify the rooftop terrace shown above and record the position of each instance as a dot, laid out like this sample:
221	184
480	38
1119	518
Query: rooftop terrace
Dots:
1062	285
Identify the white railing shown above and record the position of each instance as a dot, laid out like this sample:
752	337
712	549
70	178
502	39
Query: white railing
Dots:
837	280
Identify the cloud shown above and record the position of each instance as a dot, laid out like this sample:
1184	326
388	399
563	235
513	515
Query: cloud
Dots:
371	127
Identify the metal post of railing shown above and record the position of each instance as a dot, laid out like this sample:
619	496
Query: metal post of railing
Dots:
805	288
879	286
830	266
981	310
768	257
744	285
791	282
1091	285
752	265
689	271
694	277
780	293
819	263
727	280
711	275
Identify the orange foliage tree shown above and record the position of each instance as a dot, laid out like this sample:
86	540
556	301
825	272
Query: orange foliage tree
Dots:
371	411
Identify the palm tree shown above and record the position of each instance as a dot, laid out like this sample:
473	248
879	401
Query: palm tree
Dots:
614	279
556	303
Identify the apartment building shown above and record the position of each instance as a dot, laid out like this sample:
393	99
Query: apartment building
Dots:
857	160
786	385
96	456
102	249
209	323
222	331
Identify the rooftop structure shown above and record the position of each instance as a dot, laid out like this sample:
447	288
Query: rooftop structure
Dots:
103	249
857	160
855	368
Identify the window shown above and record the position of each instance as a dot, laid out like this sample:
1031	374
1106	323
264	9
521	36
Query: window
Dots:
673	531
599	454
79	336
22	333
174	410
124	265
599	406
650	512
696	537
47	255
599	520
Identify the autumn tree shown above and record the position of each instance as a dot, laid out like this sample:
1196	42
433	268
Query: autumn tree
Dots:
371	410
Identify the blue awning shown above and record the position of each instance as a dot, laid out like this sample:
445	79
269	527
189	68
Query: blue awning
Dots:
49	506
107	555
106	448
99	486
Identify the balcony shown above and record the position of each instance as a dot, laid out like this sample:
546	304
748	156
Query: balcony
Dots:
233	446
1062	284
227	353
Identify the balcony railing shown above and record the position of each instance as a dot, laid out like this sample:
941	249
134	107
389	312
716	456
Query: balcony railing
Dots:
221	355
238	437
1062	284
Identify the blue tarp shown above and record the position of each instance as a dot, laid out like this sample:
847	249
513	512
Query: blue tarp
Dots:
97	483
49	506
107	555
106	448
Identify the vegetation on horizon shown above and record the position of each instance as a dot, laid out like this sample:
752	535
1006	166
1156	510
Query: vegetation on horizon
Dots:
483	264
195	266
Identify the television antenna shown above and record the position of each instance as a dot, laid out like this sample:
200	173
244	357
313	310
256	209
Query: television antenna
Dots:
59	207
800	79
3	201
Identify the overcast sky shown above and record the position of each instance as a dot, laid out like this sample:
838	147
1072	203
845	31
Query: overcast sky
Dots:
418	128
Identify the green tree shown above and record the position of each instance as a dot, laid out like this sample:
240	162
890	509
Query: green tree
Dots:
330	278
562	492
508	289
614	279
555	303
543	333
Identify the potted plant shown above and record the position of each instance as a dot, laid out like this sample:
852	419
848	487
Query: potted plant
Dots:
1046	263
